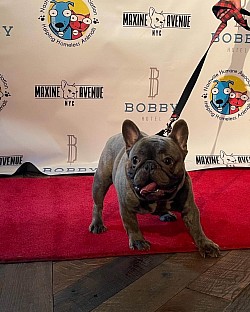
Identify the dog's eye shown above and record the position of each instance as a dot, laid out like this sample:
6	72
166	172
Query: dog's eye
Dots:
53	12
227	91
135	160
73	18
87	21
67	13
168	161
244	97
215	90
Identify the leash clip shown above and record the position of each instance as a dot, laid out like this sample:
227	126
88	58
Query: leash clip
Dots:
169	127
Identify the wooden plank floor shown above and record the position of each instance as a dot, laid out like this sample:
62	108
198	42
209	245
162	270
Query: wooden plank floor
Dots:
150	283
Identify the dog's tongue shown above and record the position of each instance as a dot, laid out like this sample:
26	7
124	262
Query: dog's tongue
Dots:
151	187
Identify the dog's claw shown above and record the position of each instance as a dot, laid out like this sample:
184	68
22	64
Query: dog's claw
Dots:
209	249
97	228
142	245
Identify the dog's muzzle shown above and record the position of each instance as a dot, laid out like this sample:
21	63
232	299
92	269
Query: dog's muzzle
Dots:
153	191
150	188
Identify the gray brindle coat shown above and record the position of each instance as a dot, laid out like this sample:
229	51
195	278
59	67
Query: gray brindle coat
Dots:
150	177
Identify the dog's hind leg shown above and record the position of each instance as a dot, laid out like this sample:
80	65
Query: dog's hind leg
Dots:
103	180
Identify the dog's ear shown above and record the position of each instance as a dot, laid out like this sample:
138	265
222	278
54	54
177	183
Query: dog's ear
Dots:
151	11
131	133
63	84
180	134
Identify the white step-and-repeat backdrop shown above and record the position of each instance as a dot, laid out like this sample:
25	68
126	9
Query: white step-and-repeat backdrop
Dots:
72	71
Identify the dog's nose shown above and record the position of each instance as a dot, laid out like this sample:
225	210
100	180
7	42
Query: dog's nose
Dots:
59	25
150	165
219	101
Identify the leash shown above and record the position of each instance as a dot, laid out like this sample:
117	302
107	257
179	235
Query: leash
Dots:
224	11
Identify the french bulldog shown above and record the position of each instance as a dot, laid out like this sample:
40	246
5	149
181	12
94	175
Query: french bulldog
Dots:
149	175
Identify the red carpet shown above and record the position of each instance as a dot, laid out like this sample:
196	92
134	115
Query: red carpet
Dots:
48	218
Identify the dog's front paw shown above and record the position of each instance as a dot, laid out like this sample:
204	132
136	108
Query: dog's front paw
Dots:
209	249
139	244
97	228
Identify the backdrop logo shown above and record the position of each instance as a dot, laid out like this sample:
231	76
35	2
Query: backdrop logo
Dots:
72	148
11	160
227	159
150	108
68	23
226	95
153	82
156	20
4	92
237	38
68	170
70	92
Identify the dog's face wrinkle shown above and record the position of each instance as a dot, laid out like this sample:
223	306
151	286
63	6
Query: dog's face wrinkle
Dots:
155	167
138	160
164	176
151	146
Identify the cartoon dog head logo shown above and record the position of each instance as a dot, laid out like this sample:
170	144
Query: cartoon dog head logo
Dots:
69	20
60	14
157	20
69	91
220	96
228	94
228	160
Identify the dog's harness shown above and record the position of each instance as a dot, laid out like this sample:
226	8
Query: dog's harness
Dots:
224	11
